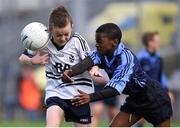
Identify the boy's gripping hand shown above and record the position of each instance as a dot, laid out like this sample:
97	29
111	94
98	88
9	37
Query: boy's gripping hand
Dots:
40	58
81	99
66	78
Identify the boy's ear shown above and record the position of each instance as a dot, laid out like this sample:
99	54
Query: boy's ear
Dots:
116	42
50	29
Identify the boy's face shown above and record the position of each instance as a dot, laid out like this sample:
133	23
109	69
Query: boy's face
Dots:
104	45
157	40
154	44
61	35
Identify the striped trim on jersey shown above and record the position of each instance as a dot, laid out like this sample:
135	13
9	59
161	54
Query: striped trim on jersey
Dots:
125	70
93	56
51	75
77	81
82	42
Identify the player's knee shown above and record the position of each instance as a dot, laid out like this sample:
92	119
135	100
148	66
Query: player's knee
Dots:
54	116
97	108
52	123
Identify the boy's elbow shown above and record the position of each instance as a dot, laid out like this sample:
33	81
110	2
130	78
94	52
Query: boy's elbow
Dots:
22	58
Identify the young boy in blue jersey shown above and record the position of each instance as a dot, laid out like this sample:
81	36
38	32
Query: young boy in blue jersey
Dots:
151	60
146	98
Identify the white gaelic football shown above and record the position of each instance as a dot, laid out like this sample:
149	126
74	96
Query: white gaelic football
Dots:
35	36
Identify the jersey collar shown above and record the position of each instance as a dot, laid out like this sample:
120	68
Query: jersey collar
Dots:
117	52
119	49
58	47
155	54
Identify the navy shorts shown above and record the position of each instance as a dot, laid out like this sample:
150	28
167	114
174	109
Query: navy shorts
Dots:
79	114
152	103
112	102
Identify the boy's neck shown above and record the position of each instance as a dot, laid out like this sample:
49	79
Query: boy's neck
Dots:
58	47
61	46
109	57
151	51
111	52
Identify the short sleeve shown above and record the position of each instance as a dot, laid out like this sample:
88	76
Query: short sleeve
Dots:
82	46
95	57
123	73
29	53
164	80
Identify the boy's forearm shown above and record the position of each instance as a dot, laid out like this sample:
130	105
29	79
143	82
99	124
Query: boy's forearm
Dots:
24	59
82	66
103	94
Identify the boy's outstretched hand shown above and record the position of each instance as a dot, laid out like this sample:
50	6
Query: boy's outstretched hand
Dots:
66	78
81	99
95	71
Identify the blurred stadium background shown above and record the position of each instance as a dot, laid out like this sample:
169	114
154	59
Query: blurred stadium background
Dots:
133	16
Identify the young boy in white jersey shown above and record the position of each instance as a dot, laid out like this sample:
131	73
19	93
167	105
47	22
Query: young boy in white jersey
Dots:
65	50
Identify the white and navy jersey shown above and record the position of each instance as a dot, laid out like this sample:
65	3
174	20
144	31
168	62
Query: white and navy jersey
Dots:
72	53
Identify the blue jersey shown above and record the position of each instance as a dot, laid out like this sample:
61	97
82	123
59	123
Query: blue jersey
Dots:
123	69
152	64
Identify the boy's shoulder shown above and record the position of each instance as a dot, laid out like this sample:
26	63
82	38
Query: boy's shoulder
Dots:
77	36
79	41
142	54
145	54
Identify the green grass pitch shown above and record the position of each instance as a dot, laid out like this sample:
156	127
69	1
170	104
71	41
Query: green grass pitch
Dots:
25	123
